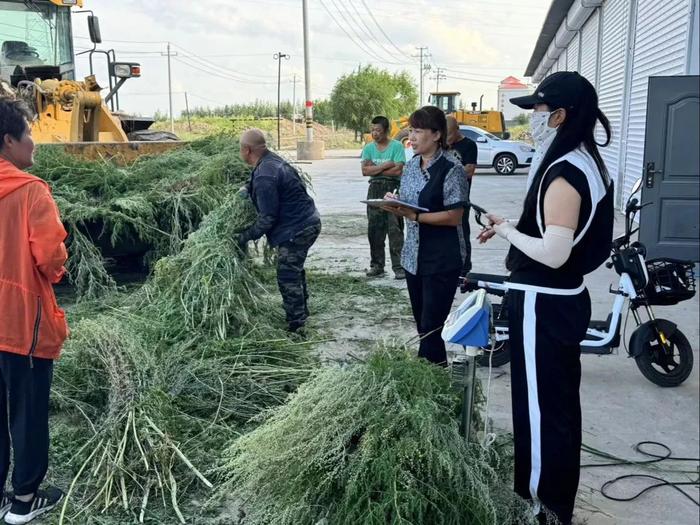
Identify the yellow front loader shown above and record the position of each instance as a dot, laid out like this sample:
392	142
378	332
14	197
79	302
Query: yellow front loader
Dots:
37	64
448	101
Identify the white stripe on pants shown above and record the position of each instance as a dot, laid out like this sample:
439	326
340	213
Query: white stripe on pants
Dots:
529	346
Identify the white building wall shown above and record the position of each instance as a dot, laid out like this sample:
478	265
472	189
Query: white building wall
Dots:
510	111
562	62
589	48
619	47
694	56
615	40
660	49
572	53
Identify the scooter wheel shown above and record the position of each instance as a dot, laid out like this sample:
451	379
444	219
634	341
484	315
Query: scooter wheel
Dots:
501	355
665	367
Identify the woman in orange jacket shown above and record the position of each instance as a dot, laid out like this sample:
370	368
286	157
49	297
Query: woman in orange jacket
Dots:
32	326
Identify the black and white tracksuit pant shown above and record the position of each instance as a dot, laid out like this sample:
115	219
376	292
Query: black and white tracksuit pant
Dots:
546	327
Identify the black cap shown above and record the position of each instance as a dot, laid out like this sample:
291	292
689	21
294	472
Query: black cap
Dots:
558	90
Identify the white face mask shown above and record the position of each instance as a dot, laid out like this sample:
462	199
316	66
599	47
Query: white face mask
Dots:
543	136
539	127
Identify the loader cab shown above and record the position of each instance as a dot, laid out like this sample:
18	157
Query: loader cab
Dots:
36	34
448	101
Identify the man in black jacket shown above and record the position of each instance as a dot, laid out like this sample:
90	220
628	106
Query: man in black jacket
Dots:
288	217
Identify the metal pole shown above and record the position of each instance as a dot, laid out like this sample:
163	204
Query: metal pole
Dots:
421	77
170	94
422	53
481	98
279	56
294	106
309	111
187	108
279	80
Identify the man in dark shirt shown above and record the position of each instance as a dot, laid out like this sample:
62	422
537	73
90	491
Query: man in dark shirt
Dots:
288	217
464	150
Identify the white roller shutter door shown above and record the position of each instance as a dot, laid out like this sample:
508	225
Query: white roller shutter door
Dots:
572	53
660	49
562	61
589	47
611	84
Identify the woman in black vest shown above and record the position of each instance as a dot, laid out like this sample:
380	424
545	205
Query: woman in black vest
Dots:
564	233
434	249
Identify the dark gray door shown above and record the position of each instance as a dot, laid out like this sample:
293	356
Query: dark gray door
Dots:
669	226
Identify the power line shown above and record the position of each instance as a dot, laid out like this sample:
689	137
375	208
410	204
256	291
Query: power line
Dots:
482	81
449	70
218	74
359	45
371	33
382	30
234	75
354	30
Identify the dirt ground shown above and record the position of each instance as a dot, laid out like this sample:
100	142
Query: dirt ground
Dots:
620	407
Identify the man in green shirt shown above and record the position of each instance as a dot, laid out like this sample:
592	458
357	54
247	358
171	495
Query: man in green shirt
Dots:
382	162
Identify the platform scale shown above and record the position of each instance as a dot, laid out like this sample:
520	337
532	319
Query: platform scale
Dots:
468	326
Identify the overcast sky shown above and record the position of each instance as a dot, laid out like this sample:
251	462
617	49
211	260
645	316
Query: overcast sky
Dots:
225	47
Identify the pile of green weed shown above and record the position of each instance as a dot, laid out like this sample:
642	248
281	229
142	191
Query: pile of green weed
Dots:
164	378
145	209
373	443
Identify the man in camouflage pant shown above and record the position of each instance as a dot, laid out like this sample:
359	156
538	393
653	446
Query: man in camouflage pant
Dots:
382	162
288	217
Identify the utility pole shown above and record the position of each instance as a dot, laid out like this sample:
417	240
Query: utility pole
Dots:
294	105
439	75
279	56
170	88
309	108
422	53
309	149
187	108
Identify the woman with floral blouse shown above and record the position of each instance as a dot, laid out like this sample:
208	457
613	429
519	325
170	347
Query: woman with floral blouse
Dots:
434	248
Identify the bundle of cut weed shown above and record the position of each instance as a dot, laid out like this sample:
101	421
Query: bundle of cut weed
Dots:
155	410
208	286
373	443
172	373
147	208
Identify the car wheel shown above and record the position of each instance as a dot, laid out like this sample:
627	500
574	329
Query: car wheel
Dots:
505	164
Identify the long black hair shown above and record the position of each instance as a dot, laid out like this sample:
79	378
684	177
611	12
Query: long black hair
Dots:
578	130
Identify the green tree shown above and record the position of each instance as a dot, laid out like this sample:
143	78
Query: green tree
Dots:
361	95
323	112
522	119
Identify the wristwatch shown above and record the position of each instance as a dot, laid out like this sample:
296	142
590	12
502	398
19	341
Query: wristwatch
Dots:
417	215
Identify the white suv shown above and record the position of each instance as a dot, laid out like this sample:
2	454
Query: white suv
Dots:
504	155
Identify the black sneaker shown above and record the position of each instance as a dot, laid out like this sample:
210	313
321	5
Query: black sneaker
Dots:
374	271
5	503
24	512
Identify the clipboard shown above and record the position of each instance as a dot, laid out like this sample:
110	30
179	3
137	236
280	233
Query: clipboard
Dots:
377	203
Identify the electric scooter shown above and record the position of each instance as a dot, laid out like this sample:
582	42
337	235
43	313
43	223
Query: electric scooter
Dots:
662	352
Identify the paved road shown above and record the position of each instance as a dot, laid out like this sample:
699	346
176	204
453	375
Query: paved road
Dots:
620	407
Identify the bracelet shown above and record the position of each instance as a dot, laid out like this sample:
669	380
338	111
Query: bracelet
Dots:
417	216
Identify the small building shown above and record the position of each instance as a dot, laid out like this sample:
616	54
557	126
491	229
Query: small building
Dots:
642	58
511	87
